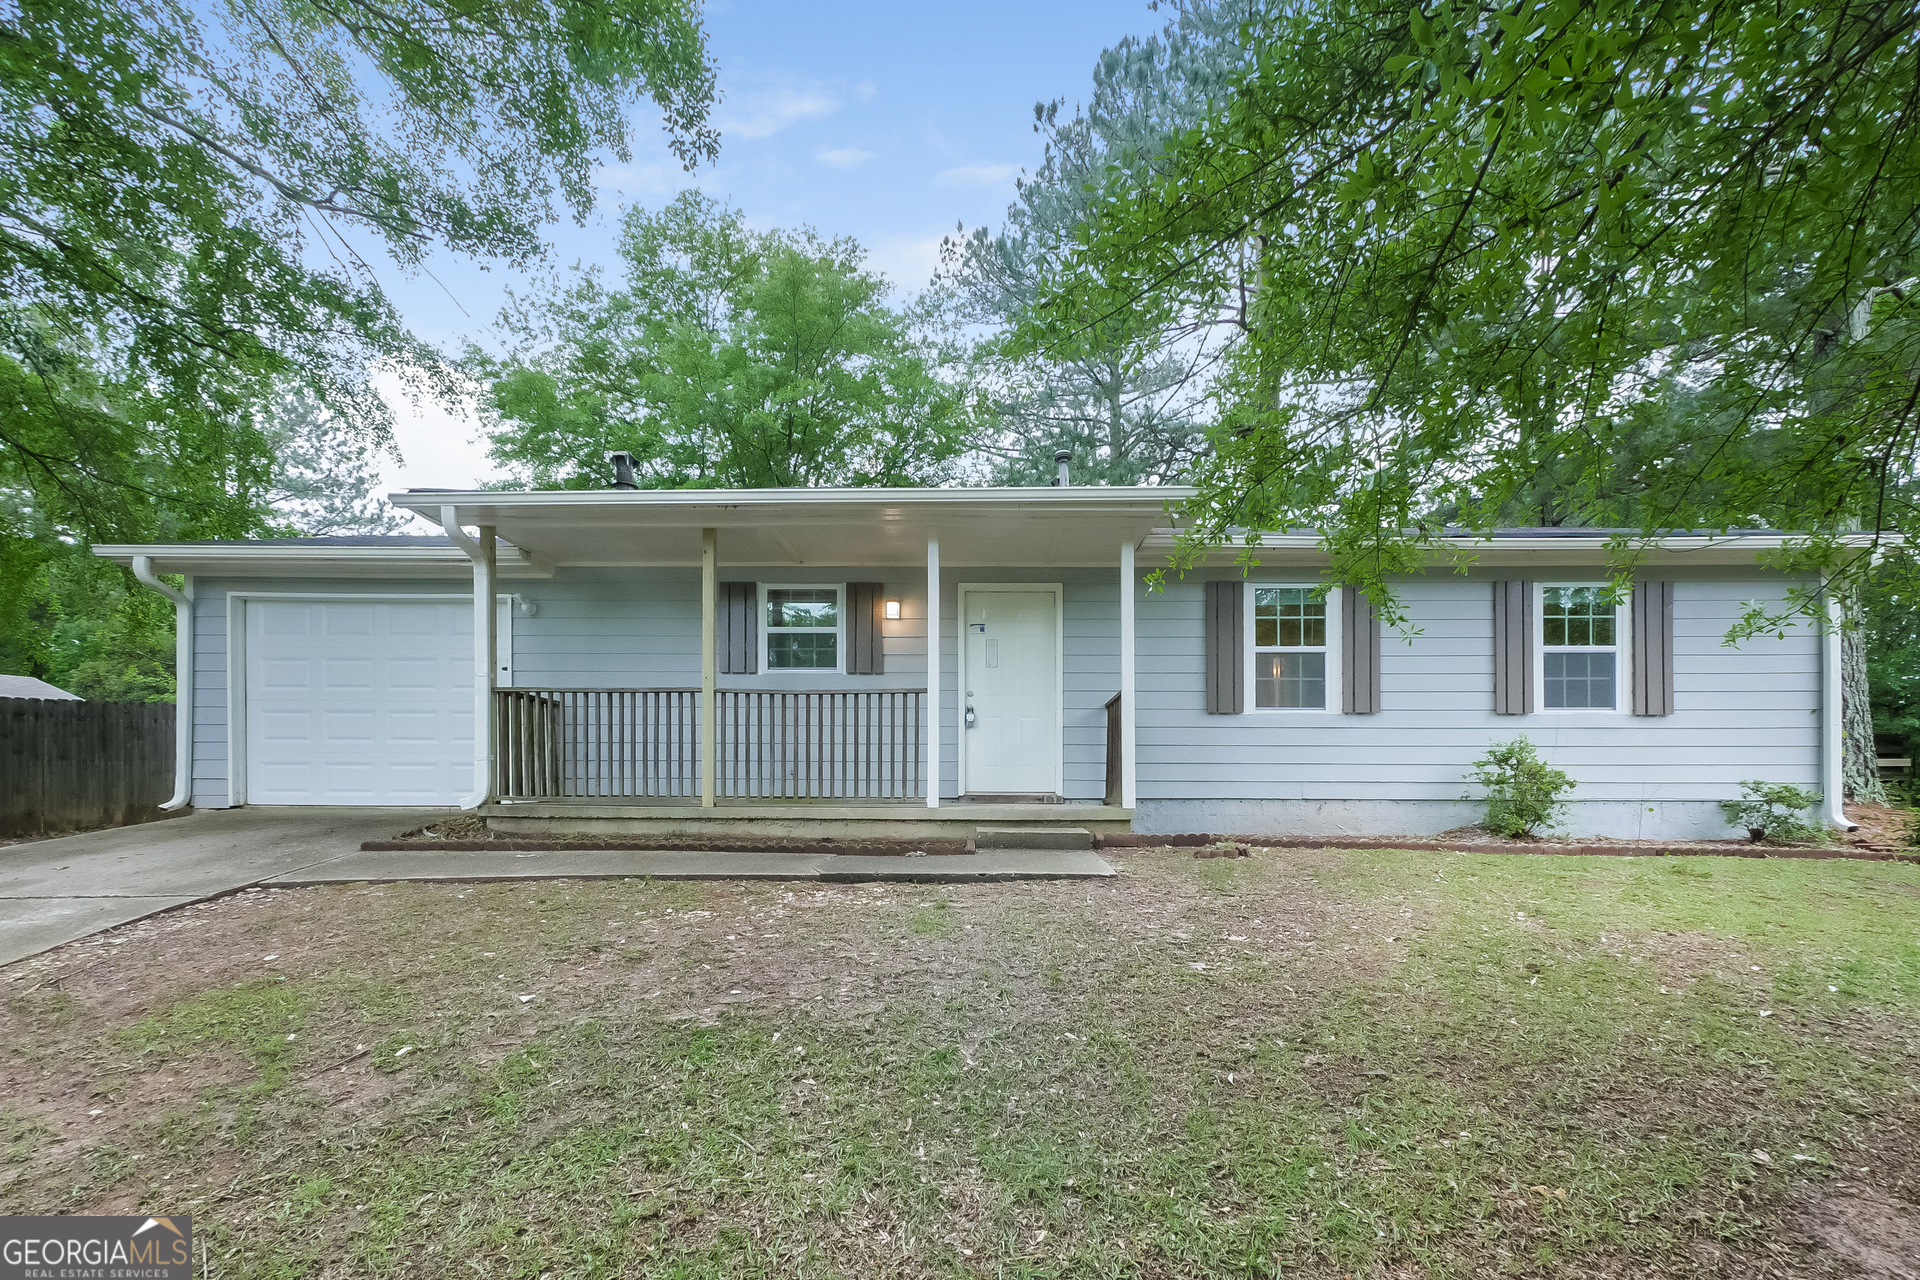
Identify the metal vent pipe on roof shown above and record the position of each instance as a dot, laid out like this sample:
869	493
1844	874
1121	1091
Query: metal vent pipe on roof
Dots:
1062	457
622	469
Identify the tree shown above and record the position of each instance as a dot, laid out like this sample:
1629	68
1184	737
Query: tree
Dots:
186	200
1129	396
1650	260
727	358
326	478
192	201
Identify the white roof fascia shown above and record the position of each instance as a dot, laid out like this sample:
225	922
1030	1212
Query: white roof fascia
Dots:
1733	548
777	504
255	560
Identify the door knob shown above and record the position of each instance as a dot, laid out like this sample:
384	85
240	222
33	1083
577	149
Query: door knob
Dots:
969	717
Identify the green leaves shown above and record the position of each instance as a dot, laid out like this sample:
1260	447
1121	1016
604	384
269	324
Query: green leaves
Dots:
193	204
1552	263
731	358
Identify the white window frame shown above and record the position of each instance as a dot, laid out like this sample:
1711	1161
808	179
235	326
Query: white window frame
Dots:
839	666
1250	661
1622	657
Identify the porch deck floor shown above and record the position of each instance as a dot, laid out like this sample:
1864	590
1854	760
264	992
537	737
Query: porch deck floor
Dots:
988	865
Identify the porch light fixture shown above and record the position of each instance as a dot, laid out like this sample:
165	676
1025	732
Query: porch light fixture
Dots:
893	608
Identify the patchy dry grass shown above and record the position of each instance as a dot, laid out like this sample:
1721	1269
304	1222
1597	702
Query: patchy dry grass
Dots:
1324	1063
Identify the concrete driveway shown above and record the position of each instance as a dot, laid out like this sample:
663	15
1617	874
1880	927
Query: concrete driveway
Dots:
53	891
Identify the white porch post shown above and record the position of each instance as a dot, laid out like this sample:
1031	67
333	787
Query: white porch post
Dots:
1129	712
486	647
933	673
709	676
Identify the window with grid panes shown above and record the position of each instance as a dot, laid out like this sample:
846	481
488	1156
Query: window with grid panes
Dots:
1579	648
1289	649
803	628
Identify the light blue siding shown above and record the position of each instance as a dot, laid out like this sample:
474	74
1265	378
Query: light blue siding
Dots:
1746	712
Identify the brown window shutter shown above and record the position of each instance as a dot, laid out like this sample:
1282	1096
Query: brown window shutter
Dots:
1360	649
1225	642
1652	628
866	652
736	629
1512	648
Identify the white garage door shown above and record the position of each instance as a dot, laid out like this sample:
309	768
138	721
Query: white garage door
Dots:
359	702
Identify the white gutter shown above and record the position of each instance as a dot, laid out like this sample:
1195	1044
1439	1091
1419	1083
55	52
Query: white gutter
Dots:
480	552
182	679
1833	723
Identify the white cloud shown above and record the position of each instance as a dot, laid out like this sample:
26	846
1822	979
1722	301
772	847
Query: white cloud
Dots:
775	104
844	158
978	175
440	448
909	261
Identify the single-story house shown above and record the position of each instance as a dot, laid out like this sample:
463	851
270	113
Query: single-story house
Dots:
932	657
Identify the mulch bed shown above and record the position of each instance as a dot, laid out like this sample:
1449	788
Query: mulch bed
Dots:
1622	849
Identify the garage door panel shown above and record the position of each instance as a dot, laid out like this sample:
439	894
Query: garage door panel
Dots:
417	624
289	781
351	727
350	619
414	673
359	702
278	728
285	673
287	620
345	783
417	728
344	674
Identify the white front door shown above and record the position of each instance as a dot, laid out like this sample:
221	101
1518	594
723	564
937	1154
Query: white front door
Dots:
359	702
1010	722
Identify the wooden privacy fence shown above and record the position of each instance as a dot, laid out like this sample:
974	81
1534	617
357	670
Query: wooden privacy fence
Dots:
68	766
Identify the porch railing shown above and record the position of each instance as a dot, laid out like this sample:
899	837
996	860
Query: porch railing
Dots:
772	744
594	743
822	745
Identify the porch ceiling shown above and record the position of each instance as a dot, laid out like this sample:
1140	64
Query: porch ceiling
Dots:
982	527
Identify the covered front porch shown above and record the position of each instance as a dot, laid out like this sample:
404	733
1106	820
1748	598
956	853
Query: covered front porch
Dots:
901	663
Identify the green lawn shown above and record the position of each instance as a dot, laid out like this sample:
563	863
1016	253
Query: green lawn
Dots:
1321	1063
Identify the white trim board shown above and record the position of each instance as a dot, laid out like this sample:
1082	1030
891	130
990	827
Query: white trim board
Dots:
237	660
1059	674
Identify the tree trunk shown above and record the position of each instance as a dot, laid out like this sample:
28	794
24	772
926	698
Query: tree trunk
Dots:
1860	760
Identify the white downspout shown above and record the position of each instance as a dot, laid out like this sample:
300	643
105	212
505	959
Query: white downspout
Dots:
1832	723
182	679
485	613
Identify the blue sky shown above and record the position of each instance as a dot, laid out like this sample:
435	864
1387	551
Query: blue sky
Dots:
889	122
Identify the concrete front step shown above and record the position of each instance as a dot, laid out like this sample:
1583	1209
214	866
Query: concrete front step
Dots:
809	821
567	864
1048	837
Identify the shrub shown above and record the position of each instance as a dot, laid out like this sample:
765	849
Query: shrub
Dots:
1910	829
1776	813
1523	791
